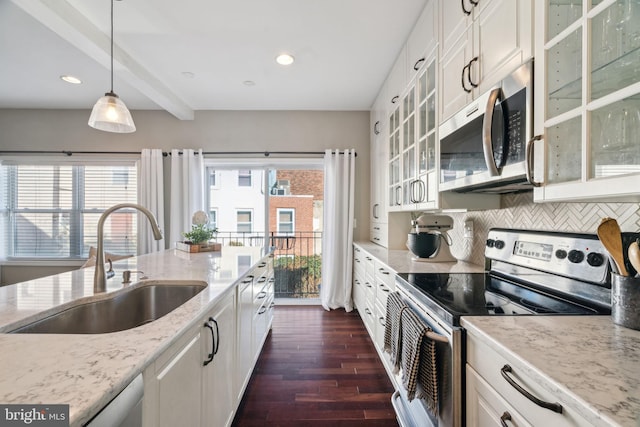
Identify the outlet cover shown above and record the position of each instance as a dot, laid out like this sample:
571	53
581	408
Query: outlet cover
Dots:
468	229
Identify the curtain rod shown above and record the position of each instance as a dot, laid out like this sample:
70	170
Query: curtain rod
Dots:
165	154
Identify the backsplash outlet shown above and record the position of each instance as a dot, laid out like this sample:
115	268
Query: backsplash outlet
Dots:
519	211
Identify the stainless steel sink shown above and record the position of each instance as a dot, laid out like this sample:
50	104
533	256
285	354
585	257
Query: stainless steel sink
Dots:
125	310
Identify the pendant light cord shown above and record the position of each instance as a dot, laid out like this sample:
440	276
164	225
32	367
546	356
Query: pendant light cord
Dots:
111	46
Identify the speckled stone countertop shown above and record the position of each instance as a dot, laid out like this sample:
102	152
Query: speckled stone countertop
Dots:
401	261
593	363
87	371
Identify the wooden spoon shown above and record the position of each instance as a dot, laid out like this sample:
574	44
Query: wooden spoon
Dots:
611	238
634	255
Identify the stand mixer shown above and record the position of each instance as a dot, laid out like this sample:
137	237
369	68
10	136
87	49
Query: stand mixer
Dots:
429	241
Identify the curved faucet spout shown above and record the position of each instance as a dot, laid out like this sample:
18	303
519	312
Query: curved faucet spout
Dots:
100	277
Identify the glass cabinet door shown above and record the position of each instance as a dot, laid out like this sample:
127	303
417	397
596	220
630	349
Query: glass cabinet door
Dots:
592	112
425	190
615	65
395	198
408	147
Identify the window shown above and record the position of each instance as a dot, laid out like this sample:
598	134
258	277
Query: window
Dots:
244	221
286	220
211	173
213	218
244	178
52	210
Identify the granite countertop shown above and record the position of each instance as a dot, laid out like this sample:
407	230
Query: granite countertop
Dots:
87	371
401	261
592	364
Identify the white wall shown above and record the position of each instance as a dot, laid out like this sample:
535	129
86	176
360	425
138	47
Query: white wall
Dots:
211	131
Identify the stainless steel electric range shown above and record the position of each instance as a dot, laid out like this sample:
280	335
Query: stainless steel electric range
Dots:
528	272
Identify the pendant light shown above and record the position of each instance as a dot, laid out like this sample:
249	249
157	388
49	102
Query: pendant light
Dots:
110	114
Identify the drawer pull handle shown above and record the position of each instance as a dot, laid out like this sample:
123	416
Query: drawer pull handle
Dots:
366	310
384	288
382	321
555	407
504	418
261	295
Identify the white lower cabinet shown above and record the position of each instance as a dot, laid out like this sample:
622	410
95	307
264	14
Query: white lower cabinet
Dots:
245	333
486	408
173	385
200	379
373	281
499	384
219	387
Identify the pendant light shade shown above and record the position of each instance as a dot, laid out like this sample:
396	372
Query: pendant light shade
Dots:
110	114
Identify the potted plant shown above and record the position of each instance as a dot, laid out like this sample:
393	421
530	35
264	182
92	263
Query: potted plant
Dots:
197	239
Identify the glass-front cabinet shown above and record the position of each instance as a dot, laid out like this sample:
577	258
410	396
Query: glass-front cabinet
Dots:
395	185
588	100
412	144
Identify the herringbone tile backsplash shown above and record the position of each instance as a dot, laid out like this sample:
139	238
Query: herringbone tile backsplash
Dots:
519	211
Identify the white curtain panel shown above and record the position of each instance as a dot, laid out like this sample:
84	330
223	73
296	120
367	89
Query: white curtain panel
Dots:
187	190
151	196
337	238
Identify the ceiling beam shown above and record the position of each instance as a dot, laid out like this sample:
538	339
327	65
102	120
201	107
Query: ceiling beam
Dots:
64	20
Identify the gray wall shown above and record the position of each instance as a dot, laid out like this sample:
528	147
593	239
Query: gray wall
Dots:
211	131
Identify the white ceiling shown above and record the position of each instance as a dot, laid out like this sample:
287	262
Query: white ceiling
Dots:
343	49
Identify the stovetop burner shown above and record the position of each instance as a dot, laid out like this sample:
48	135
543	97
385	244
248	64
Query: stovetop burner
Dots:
452	295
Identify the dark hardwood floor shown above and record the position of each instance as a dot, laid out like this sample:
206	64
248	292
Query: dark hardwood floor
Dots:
317	368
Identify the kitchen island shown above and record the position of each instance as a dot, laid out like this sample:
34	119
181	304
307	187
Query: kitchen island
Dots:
88	371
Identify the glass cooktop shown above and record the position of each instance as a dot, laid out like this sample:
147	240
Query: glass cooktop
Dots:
451	295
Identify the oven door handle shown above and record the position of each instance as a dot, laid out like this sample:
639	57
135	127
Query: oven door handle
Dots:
487	124
399	409
555	407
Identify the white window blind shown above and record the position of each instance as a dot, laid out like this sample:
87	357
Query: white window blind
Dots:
52	210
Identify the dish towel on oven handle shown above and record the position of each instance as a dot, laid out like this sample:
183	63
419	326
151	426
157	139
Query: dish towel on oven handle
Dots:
392	334
419	375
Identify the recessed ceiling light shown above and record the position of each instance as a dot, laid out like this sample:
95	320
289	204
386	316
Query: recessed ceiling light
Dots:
71	79
284	59
249	83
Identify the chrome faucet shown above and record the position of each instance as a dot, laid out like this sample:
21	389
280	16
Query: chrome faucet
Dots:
100	276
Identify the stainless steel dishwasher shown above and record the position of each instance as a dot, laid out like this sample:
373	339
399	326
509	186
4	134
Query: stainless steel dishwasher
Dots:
125	410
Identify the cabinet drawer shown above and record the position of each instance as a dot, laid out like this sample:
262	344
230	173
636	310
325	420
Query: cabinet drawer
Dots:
385	275
378	234
489	364
485	407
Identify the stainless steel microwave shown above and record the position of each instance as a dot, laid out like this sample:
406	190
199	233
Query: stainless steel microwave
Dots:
487	146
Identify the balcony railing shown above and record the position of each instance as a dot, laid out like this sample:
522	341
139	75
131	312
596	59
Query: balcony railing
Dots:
297	263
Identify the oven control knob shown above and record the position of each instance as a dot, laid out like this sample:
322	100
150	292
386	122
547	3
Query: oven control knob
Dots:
595	259
576	256
499	244
561	254
490	243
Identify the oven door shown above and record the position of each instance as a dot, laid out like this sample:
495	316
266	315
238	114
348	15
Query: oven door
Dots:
449	364
488	143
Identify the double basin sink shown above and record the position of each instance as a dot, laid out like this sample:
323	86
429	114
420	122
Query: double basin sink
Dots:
128	309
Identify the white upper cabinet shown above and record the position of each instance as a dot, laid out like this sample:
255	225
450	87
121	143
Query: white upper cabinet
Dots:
587	105
482	41
423	38
397	80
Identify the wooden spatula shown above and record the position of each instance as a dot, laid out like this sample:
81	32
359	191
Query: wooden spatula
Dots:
634	255
611	238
